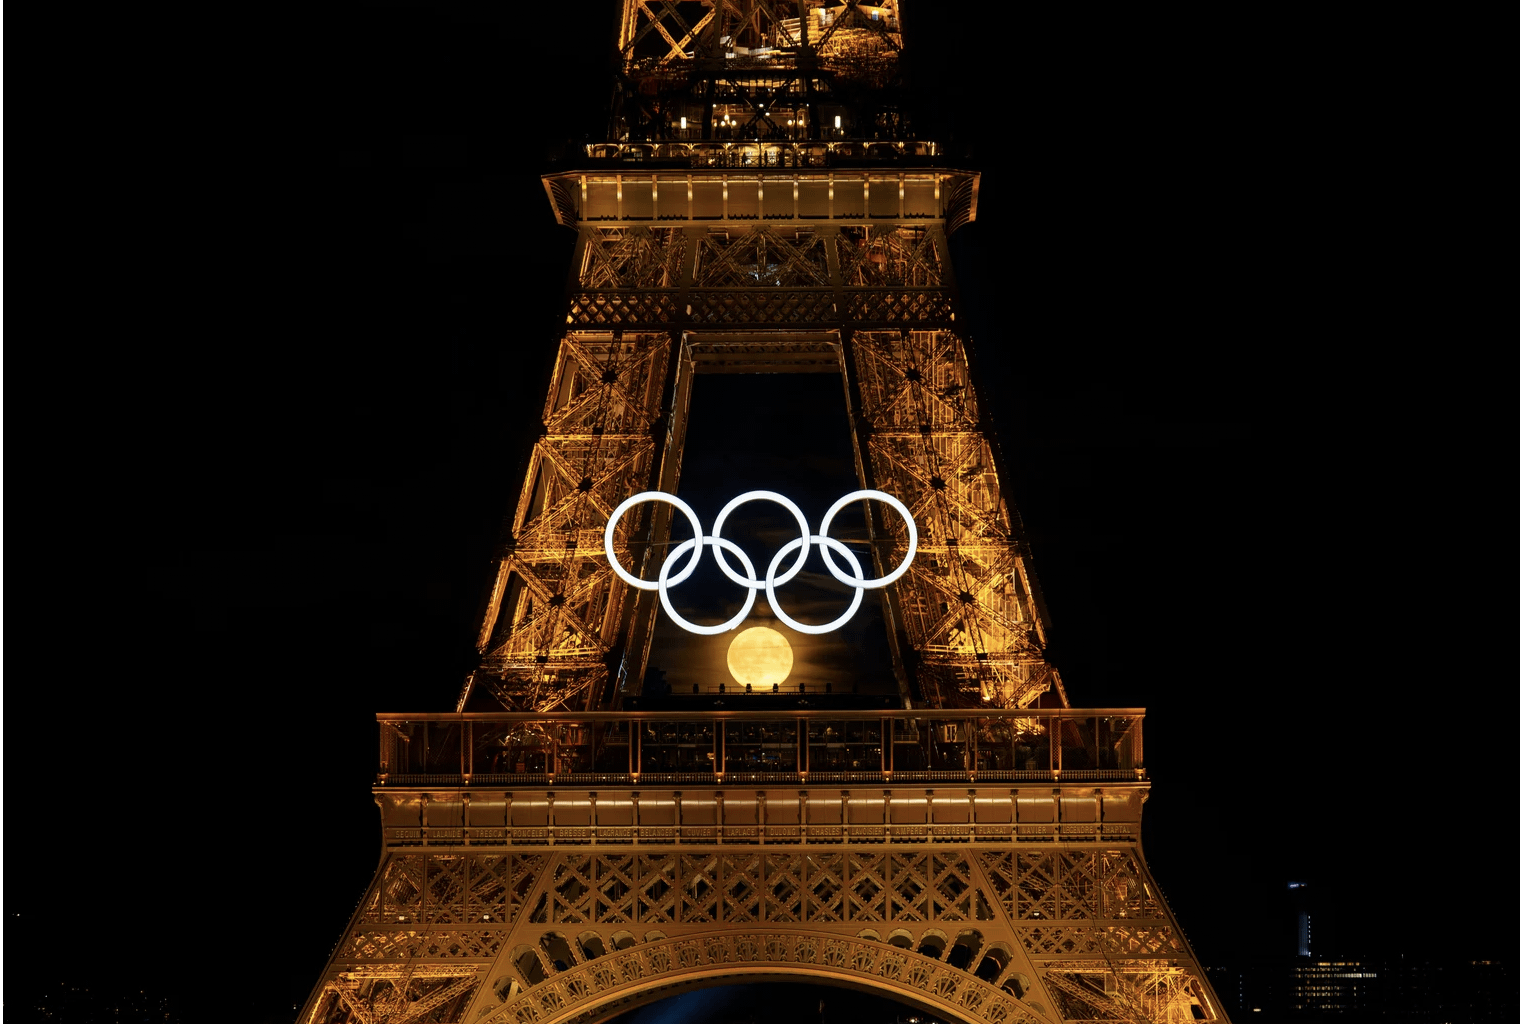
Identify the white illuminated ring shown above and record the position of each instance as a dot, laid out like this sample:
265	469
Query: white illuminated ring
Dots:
823	543
664	586
785	503
902	510
749	581
639	499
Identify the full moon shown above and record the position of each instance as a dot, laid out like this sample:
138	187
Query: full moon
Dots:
760	656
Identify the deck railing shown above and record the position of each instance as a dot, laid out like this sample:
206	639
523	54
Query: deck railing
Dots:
655	747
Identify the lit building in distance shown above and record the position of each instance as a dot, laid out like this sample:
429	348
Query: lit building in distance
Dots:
1299	892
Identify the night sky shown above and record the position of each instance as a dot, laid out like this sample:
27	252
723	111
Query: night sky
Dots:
789	434
323	407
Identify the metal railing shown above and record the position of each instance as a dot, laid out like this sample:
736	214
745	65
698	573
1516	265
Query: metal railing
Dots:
734	148
626	748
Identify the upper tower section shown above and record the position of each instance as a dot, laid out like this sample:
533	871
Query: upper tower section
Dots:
735	110
724	71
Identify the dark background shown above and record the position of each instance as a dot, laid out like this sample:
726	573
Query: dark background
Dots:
788	434
321	323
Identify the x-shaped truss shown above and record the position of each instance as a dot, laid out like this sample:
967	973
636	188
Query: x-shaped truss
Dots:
744	91
860	247
541	687
637	257
926	445
397	1004
797	263
645	18
549	641
765	18
752	19
852	18
599	394
917	381
1161	995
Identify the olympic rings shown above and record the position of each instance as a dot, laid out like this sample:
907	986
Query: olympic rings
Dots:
749	581
718	543
779	499
824	543
900	508
639	499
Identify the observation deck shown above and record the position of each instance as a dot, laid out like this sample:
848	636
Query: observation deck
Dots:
817	183
718	747
799	776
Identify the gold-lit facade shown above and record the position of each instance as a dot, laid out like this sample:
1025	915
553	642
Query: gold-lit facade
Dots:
762	202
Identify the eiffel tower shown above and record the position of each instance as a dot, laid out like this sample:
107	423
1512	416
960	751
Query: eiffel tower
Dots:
556	849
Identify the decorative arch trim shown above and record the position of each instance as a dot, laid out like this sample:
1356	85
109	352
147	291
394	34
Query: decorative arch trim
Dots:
576	993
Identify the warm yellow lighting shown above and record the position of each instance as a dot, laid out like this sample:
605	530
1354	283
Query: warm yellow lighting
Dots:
760	656
836	121
683	124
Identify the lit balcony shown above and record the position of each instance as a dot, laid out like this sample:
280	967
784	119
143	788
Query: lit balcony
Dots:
716	747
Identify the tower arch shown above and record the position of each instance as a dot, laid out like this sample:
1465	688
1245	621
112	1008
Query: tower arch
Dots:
654	971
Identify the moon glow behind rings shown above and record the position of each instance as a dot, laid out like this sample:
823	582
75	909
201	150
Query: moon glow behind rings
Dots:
760	656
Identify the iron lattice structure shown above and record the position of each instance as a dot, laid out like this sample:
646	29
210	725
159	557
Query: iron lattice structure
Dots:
762	204
984	865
